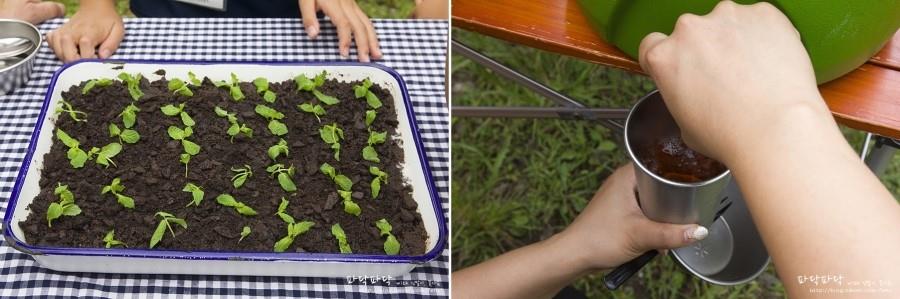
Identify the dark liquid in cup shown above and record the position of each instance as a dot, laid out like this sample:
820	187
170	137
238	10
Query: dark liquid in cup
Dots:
670	158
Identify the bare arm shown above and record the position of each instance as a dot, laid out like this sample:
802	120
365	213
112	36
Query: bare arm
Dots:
610	231
741	86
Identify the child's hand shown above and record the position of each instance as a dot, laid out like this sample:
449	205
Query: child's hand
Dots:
95	23
349	20
32	11
612	229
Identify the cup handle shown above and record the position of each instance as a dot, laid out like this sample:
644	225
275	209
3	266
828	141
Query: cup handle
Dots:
622	273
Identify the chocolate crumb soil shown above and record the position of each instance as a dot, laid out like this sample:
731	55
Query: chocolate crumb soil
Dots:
154	177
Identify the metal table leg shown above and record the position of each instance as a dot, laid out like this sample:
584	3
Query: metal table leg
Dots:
880	154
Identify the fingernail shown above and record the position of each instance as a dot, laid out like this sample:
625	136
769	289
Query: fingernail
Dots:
345	53
696	234
104	53
364	58
313	31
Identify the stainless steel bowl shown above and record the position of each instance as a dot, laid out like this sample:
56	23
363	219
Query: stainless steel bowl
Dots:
17	70
733	253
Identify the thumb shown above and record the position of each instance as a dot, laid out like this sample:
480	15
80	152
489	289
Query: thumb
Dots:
651	235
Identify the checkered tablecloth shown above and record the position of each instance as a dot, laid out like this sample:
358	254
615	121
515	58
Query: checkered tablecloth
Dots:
416	49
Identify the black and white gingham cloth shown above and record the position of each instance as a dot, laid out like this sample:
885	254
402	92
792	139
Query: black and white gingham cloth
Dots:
416	49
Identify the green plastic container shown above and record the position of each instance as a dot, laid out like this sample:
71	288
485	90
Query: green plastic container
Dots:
839	35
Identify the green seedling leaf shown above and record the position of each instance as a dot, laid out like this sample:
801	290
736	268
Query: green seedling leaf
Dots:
185	158
391	245
282	208
67	108
283	244
125	201
236	93
380	177
176	133
316	110
130	136
66	205
172	110
373	100
284	176
376	187
267	112
319	80
114	130
190	147
229	201
293	230
163	225
104	157
129	115
110	239
244	233
304	83
327	99
66	139
133	83
54	211
194	80
383	227
269	96
360	90
331	133
328	170
278	149
180	87
221	112
343	182
370	117
350	207
95	82
338	233
376	138
277	128
261	84
370	154
196	194
241	175
186	119
116	187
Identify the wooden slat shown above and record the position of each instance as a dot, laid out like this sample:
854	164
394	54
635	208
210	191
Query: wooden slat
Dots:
867	98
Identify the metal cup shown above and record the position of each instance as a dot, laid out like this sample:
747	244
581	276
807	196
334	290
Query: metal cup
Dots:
661	199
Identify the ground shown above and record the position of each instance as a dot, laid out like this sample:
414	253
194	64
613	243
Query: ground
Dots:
515	181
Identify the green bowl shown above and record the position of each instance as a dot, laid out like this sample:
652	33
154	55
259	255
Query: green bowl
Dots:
839	35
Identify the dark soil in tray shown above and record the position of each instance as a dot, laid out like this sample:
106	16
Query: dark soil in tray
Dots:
152	174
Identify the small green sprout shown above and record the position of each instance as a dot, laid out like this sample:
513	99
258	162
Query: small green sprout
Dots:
77	156
234	87
163	225
370	117
172	110
305	84
241	175
65	206
125	136
338	233
391	245
282	207
95	82
180	87
190	148
332	134
110	240
362	91
262	87
343	182
380	178
275	125
244	233
316	110
104	155
134	85
116	187
196	194
350	207
235	127
193	79
284	176
278	149
293	230
369	152
67	108
229	201
129	115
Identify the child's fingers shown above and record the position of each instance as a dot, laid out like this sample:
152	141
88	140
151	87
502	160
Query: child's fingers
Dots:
111	43
359	30
341	23
648	43
308	14
374	48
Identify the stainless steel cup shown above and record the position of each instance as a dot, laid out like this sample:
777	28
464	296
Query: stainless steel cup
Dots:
15	71
661	199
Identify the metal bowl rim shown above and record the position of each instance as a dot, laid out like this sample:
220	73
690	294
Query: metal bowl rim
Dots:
37	46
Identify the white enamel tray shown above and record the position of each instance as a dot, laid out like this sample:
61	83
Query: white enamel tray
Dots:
415	171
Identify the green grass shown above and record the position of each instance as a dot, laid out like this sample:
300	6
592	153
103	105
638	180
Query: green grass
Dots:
516	181
379	9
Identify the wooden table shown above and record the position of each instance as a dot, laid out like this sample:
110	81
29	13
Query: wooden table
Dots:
867	98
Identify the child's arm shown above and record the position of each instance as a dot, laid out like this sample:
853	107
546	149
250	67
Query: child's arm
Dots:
95	24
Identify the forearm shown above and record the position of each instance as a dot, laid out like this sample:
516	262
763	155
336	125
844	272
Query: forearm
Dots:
819	209
538	270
